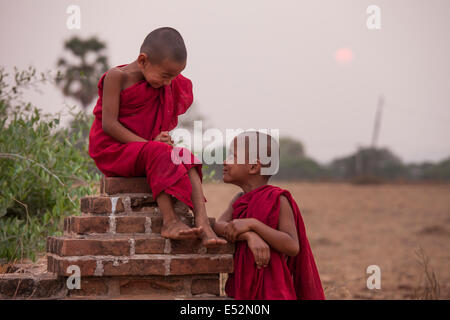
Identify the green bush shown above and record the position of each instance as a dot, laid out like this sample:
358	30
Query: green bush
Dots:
44	169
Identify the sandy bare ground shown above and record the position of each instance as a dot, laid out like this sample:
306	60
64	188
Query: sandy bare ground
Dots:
351	227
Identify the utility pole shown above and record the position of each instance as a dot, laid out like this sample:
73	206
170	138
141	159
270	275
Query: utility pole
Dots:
377	124
376	131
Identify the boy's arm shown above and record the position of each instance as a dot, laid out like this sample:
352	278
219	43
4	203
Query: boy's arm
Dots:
221	223
259	248
284	240
219	229
112	85
257	245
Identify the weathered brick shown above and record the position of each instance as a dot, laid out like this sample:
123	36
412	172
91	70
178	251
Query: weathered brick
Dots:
31	286
100	205
67	226
206	285
227	248
91	286
149	245
154	245
130	224
49	285
51	264
83	247
134	266
142	202
149	285
198	264
86	224
59	265
115	185
104	205
148	211
157	222
47	245
16	286
85	204
196	246
52	244
185	246
131	185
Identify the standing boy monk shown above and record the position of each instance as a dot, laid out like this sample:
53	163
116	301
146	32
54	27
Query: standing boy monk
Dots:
138	104
273	258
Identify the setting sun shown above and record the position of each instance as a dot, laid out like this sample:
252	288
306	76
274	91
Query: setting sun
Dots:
344	56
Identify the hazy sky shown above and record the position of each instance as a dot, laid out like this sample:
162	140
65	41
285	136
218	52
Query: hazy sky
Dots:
272	64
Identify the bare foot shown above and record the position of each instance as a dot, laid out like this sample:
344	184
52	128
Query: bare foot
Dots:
210	239
177	230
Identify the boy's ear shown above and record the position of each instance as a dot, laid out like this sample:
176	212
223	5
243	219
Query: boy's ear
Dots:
142	59
255	168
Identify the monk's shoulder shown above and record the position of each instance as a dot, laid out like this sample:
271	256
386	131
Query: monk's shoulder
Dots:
273	189
115	76
284	201
181	77
237	196
278	189
182	81
283	195
113	79
235	199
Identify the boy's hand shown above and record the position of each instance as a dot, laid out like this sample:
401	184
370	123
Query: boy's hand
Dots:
165	137
236	227
259	248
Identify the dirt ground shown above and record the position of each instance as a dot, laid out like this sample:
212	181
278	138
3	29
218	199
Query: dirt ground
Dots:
351	227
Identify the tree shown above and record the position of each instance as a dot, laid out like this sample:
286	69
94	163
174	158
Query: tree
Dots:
79	80
295	164
430	171
373	162
291	149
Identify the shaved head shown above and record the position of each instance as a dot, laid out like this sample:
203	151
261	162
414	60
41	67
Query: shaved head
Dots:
164	43
255	145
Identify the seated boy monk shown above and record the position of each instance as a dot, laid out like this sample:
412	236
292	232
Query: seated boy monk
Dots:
273	258
138	104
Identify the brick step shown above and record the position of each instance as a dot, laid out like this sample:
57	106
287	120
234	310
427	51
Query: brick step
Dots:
116	185
117	245
148	287
128	245
130	224
142	264
125	203
32	286
50	286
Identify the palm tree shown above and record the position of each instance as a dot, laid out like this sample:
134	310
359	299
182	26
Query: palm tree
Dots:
79	80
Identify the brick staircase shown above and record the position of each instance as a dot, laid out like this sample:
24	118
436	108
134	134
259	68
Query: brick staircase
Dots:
117	245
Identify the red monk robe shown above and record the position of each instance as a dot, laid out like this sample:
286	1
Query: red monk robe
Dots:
146	111
283	279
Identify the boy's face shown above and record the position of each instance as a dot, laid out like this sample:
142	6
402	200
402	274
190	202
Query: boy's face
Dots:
162	74
238	173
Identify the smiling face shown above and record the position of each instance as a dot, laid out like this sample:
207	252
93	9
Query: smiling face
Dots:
238	173
253	156
162	74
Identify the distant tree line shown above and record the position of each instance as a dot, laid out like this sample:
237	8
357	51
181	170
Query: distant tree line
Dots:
383	164
366	165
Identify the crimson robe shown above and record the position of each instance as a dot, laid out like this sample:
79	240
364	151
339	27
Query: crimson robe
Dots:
146	111
285	278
